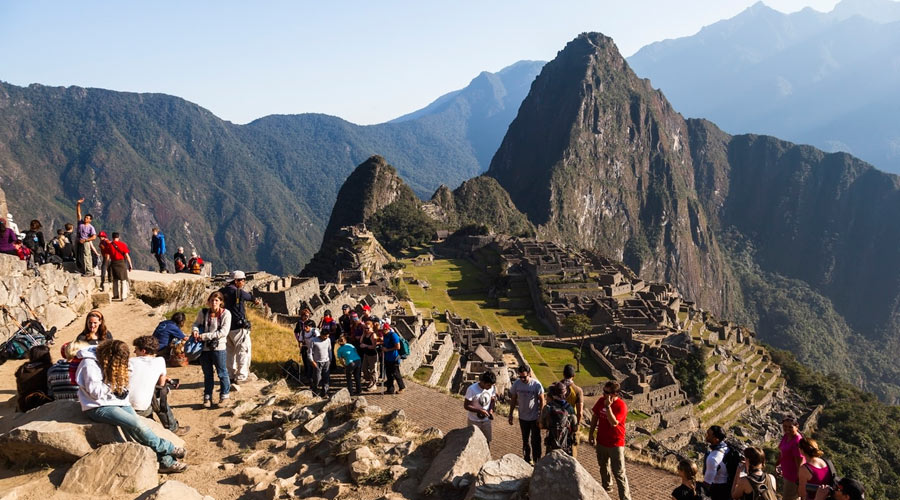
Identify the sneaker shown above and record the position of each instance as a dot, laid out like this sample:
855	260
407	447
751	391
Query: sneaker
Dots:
175	468
179	452
102	289
224	401
207	403
183	430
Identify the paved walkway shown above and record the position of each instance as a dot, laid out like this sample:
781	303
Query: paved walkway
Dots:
431	408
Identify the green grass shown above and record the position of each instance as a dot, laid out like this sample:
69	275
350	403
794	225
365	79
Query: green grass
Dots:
448	370
547	364
423	373
458	286
637	416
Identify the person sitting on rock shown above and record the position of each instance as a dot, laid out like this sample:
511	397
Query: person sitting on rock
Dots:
181	262
94	329
60	384
31	379
195	265
168	332
102	378
7	239
148	385
34	240
352	364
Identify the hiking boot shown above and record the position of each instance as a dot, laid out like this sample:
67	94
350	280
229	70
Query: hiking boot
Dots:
175	468
182	430
207	403
179	452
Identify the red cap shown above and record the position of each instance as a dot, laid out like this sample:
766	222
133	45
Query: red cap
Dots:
366	308
103	234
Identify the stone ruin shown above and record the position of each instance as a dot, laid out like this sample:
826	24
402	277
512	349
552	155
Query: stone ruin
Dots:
351	256
481	351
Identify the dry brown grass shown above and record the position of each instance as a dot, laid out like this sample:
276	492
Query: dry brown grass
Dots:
273	344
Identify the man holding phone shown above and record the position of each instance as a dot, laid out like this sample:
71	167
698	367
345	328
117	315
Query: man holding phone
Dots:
480	399
609	414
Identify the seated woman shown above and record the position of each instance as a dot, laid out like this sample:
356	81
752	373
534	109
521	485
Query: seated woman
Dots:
102	378
31	379
59	381
7	239
94	329
195	265
180	261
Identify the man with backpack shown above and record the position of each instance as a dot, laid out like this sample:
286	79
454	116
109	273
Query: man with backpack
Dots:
238	346
716	477
558	417
575	397
609	414
392	349
527	394
158	249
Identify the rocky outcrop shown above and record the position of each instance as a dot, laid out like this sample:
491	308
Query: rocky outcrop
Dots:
59	432
479	201
502	479
558	475
173	490
351	248
113	469
168	292
456	466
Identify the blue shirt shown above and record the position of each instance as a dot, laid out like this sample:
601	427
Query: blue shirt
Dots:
392	339
167	331
348	353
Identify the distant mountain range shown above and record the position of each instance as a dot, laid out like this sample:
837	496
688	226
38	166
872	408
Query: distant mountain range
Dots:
827	79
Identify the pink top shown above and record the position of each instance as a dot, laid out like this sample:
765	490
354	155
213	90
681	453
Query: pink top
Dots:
819	476
790	452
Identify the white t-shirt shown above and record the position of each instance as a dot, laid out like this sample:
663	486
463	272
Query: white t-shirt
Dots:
480	398
144	372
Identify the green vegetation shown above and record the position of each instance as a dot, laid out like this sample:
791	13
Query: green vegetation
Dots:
401	225
423	373
448	370
691	372
547	364
860	433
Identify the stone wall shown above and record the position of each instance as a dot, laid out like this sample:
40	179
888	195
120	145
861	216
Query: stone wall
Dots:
56	296
419	347
440	354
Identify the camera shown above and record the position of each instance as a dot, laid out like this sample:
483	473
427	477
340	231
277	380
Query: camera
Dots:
211	345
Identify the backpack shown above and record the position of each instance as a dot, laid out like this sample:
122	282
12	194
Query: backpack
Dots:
560	428
404	346
733	457
17	346
761	489
192	349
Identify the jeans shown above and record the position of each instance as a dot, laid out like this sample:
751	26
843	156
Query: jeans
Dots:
368	367
124	417
208	359
105	271
353	372
531	439
393	373
321	376
238	349
161	260
613	458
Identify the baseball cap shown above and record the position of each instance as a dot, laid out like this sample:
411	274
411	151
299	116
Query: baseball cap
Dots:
367	308
238	275
103	234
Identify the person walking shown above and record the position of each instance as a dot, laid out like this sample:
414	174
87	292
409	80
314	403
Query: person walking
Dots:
575	397
352	365
715	473
158	249
320	356
211	326
609	414
86	235
238	347
479	402
305	332
558	417
105	271
102	377
119	265
391	348
815	472
527	394
790	459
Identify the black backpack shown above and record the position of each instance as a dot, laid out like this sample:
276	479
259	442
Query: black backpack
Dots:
733	457
561	427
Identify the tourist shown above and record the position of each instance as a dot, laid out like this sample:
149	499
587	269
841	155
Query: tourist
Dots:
105	271
238	346
790	460
575	397
23	253
211	327
357	329
751	477
86	236
168	332
59	381
845	489
368	348
609	414
148	385
320	357
558	417
195	265
527	394
102	378
304	332
181	263
345	322
69	249
94	329
333	329
7	239
158	248
352	364
61	246
390	346
715	474
119	265
688	489
366	313
34	240
31	379
815	472
480	399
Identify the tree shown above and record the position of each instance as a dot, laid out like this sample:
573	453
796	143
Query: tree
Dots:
579	325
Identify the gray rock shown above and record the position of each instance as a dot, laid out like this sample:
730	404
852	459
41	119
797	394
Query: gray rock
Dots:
558	475
243	408
501	479
464	453
316	424
174	490
113	469
255	475
340	398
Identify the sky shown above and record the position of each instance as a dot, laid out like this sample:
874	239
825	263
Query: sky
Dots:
364	61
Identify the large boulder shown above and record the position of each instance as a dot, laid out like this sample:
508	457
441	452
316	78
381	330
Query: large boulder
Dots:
174	490
558	475
113	469
501	479
59	432
464	453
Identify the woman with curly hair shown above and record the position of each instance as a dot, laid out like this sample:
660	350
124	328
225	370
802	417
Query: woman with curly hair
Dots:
94	329
102	378
211	327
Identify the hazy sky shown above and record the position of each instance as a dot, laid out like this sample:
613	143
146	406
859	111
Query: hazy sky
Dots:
365	61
